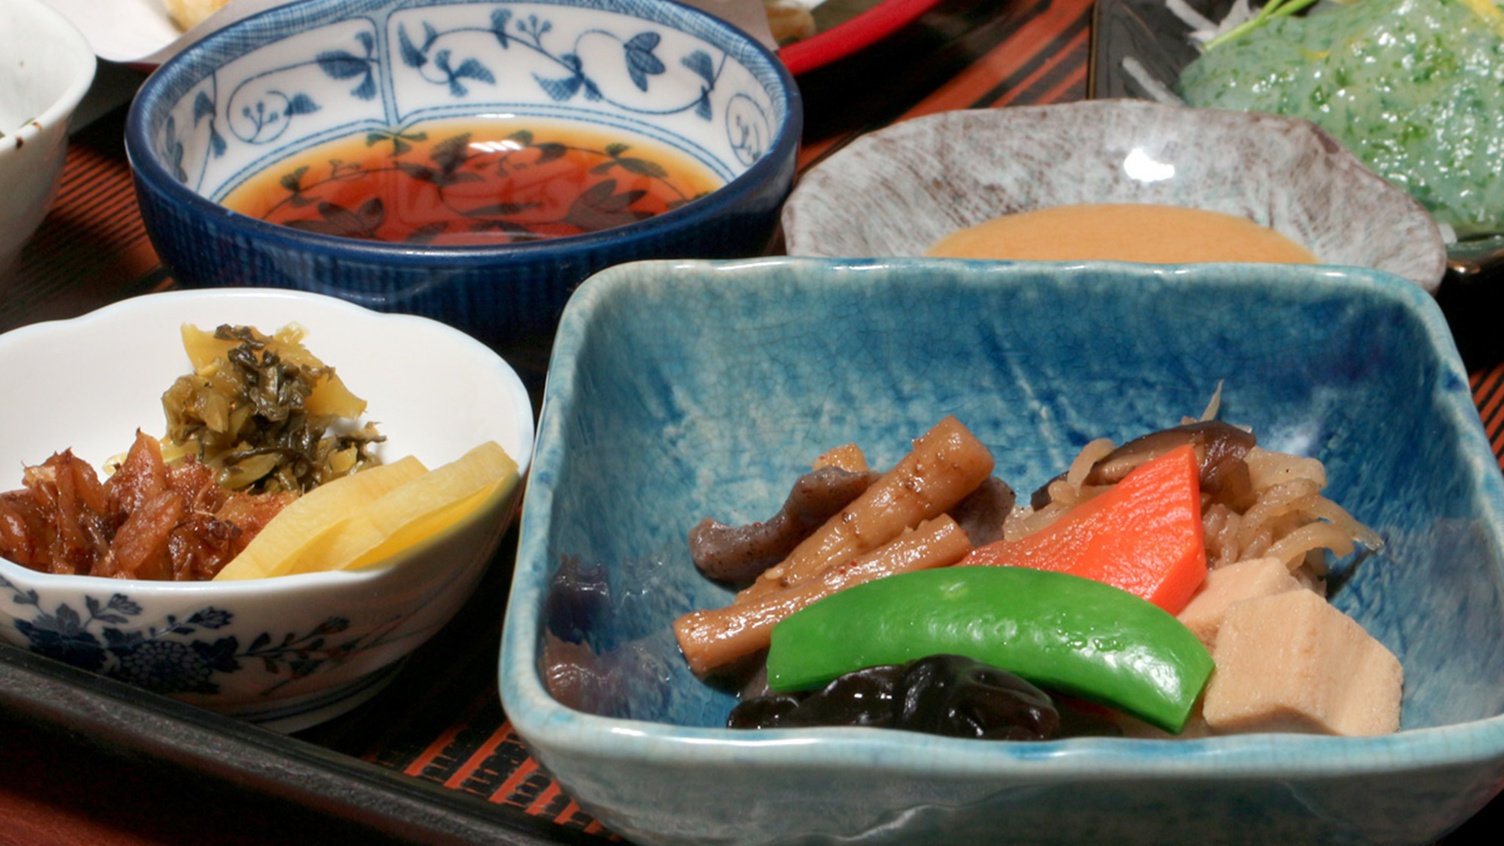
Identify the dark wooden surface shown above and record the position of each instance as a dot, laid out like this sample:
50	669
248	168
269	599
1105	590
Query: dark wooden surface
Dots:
109	778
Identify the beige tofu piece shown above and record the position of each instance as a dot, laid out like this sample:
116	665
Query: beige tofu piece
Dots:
1225	586
1290	662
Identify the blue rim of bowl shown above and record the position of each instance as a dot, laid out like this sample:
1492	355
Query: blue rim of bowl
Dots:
259	30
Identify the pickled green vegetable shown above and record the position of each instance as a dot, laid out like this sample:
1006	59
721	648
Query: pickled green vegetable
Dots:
249	417
1415	88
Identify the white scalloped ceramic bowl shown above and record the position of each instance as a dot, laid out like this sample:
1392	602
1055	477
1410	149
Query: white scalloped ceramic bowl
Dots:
637	72
897	191
46	67
285	652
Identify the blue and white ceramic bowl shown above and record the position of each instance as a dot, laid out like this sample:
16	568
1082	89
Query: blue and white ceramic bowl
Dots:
679	391
300	75
285	652
925	178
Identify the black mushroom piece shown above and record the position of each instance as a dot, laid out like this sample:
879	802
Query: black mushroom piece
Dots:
584	662
947	695
625	680
984	511
739	554
1221	446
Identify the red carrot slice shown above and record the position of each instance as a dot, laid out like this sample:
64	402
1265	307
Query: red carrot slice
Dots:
1143	535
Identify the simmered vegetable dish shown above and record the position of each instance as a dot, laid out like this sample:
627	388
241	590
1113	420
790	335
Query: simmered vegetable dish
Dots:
1174	584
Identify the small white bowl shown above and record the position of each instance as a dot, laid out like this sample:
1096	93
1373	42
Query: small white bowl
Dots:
897	191
45	70
290	651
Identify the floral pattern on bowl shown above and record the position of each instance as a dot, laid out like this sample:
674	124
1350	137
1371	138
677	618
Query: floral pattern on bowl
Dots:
389	69
175	655
271	88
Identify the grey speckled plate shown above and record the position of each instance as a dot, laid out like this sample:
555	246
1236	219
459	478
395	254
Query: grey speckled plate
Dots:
896	191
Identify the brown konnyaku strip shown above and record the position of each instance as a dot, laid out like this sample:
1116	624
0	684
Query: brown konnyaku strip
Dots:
717	637
946	464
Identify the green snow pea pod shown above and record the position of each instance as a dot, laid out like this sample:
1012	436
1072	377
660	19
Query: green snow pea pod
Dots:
1059	631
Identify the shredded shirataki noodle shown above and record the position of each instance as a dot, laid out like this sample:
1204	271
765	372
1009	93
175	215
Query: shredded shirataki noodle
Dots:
1289	518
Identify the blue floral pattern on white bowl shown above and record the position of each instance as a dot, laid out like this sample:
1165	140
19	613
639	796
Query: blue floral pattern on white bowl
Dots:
174	655
643	73
385	69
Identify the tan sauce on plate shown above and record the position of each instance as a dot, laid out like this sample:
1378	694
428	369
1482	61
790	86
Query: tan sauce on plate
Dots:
1154	234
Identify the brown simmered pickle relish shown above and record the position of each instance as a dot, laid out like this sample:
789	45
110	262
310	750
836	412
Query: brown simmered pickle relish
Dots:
148	520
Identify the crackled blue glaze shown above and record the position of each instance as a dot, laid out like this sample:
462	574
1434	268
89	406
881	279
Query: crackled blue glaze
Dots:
681	391
303	74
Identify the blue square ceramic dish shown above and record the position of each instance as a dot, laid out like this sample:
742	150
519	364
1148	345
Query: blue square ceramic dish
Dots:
684	390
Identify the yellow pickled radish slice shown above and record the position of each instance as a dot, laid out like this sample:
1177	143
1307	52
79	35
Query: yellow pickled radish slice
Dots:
314	514
414	512
429	526
203	348
330	395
